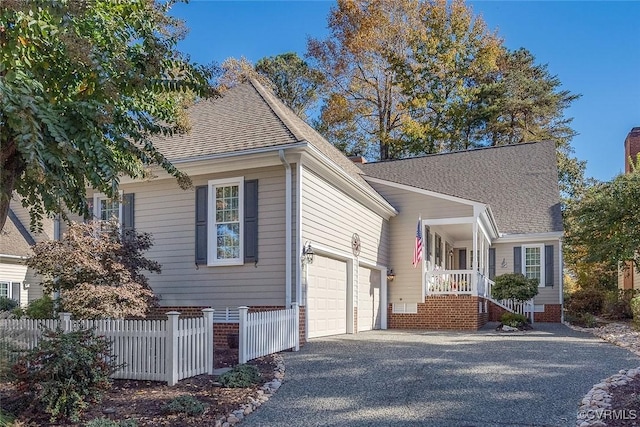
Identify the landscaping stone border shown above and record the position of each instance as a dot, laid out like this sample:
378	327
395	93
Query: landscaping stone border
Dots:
598	399
263	394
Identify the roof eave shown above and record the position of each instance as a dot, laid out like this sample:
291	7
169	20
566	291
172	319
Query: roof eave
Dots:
529	237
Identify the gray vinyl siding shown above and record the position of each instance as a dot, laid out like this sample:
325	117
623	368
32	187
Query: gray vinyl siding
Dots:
34	291
407	286
168	213
504	264
330	217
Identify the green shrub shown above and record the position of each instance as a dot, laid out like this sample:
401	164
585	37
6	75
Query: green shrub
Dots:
514	286
635	309
66	371
586	300
514	320
185	404
617	304
41	308
7	304
584	320
105	422
240	376
6	419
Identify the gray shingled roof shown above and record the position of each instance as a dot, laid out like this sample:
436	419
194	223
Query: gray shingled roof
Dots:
519	182
14	238
248	117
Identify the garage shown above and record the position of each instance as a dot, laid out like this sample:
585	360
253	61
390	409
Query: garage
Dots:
369	315
327	297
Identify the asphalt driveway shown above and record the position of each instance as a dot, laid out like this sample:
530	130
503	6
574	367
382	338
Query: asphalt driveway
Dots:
415	378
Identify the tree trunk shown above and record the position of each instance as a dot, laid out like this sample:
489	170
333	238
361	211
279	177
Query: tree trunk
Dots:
11	166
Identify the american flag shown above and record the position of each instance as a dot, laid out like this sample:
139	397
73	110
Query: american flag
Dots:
417	250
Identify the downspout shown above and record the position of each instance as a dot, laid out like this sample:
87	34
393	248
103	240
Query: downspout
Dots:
287	225
561	287
299	233
56	227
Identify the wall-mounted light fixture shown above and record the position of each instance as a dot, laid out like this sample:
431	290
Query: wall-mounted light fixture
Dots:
307	253
390	275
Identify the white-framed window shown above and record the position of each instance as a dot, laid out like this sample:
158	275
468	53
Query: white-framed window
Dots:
404	308
6	289
105	208
533	263
226	225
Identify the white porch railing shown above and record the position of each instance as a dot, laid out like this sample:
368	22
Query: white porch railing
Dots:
526	308
267	332
155	350
459	282
449	282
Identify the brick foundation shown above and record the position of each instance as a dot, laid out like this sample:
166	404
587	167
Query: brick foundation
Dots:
355	319
495	312
220	333
302	325
552	313
451	312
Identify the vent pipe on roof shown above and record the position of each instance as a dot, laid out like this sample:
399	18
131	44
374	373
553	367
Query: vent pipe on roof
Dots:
358	159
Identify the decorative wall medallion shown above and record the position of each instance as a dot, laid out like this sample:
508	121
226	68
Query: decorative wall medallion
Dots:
355	244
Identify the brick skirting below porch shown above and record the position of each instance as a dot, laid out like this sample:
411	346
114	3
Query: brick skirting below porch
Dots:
452	312
552	313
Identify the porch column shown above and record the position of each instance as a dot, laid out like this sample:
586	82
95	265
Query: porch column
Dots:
474	263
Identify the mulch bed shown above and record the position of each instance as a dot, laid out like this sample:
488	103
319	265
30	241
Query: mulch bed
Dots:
143	400
625	405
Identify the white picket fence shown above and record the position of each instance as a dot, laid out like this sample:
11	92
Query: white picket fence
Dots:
157	350
267	332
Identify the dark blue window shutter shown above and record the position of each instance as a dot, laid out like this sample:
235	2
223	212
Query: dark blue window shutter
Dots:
492	263
427	242
548	265
517	259
462	259
15	291
201	224
127	223
90	207
251	221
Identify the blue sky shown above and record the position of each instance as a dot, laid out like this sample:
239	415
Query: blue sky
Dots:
592	46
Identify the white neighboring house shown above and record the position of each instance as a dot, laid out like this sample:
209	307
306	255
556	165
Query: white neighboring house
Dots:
16	280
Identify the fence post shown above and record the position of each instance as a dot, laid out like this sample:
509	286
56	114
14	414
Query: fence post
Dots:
172	348
242	334
297	326
65	321
208	322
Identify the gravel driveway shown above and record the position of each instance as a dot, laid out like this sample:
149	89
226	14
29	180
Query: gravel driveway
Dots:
416	378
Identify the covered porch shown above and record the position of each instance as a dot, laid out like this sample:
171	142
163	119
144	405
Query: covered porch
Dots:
457	258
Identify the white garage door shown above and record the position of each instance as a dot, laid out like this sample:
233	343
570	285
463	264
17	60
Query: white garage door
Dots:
327	297
368	299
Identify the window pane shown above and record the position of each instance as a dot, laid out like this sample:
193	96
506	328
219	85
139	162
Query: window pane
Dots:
532	263
109	209
228	241
4	289
227	218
